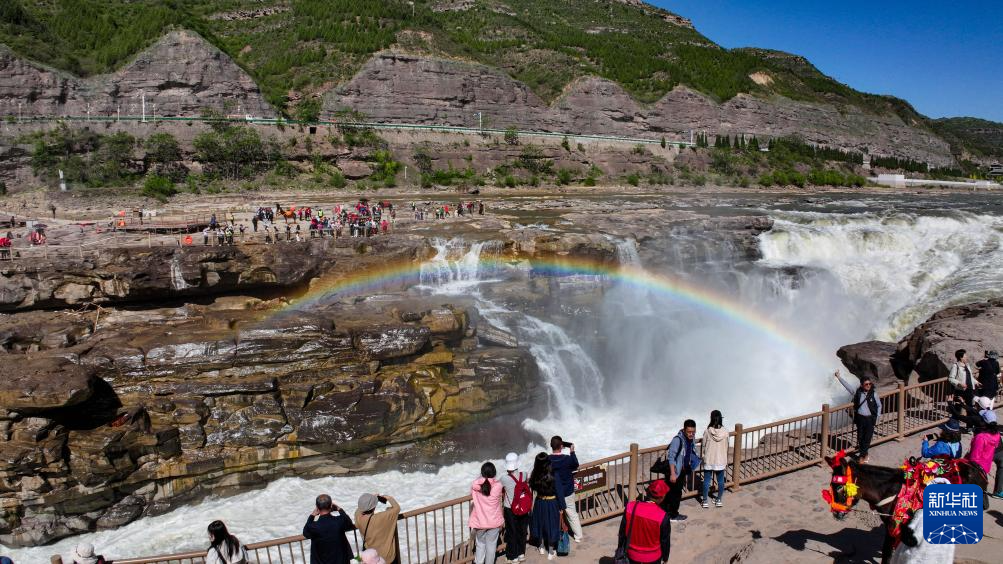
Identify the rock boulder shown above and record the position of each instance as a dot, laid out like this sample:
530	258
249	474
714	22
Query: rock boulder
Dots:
873	359
929	349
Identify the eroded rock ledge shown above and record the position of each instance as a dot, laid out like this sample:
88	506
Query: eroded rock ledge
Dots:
158	408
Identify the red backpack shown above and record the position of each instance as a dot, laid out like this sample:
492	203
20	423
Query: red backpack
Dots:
522	499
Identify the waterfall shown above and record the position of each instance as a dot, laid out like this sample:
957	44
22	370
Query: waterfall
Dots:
454	268
569	374
177	279
896	269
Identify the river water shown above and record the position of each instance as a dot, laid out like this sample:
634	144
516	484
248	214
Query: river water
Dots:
834	270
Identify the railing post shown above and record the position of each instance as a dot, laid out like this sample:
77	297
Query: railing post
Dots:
824	439
900	405
632	480
736	460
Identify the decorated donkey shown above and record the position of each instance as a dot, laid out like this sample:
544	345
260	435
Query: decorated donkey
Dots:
894	493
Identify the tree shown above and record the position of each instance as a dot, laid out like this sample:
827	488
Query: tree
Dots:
422	160
233	152
162	148
308	110
159	188
512	136
566	144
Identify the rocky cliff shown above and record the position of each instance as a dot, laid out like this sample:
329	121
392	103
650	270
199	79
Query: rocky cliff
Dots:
180	75
397	87
928	351
153	409
135	274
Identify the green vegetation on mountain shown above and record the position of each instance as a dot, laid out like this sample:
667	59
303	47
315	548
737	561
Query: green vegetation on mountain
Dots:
977	137
308	46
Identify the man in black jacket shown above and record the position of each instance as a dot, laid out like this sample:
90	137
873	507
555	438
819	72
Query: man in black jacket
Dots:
328	543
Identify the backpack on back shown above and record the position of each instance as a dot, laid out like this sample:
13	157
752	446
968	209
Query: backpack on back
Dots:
522	498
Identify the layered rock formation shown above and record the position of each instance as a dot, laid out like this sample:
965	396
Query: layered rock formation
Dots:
132	274
180	75
396	87
159	408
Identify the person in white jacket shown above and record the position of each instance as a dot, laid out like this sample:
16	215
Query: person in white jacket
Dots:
962	379
224	548
715	458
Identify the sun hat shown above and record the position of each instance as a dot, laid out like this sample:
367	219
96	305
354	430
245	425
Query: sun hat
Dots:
367	502
84	554
511	462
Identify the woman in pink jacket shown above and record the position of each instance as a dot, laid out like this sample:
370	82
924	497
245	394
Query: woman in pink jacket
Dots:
984	445
486	516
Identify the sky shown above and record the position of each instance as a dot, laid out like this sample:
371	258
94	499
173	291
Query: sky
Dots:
946	58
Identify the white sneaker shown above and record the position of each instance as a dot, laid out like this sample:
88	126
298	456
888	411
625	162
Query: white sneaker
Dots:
522	557
552	555
543	551
578	539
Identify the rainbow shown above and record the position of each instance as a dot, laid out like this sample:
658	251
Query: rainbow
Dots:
407	274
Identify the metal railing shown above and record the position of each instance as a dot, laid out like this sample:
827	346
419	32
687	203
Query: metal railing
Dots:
439	534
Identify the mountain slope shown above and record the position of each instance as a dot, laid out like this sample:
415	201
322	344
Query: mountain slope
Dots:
292	47
972	137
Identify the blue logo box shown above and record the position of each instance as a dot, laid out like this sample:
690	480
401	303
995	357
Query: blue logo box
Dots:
952	514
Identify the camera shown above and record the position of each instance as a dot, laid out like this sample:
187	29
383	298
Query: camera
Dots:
931	436
381	499
567	444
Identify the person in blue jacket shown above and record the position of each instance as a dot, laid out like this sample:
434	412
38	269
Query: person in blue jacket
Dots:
949	443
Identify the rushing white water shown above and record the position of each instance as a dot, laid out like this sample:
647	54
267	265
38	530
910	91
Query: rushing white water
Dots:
656	359
895	269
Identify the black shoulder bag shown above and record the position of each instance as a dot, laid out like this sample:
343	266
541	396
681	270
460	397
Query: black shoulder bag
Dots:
621	554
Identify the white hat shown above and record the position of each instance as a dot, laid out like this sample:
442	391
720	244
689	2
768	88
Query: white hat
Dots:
84	554
511	462
984	402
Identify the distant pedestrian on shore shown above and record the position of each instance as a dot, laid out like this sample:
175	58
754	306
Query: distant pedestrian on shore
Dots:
328	543
379	529
866	411
715	459
517	507
565	464
224	548
548	508
961	378
645	529
682	461
989	377
948	443
486	518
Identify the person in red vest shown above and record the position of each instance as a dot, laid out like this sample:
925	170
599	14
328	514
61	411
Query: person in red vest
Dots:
648	527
